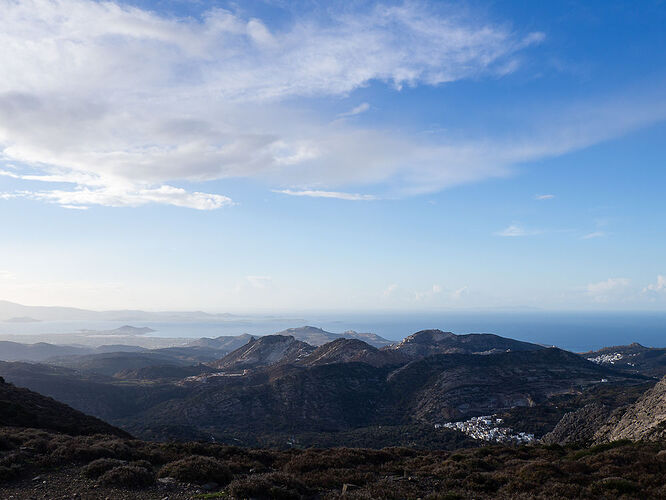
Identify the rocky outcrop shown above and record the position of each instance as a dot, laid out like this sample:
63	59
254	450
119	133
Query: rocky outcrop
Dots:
645	420
263	352
579	426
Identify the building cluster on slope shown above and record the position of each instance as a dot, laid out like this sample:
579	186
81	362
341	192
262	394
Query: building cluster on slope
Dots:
610	358
488	428
607	358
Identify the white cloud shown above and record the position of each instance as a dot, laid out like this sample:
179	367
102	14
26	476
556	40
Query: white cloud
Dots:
460	293
609	290
81	198
544	197
595	234
436	289
361	108
390	290
658	287
260	282
329	194
74	207
514	230
121	103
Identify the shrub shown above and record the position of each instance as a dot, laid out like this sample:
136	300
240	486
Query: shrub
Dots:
127	476
338	458
275	485
98	467
197	469
6	444
10	472
78	452
616	484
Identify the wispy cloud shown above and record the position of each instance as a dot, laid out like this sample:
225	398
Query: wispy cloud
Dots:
595	234
328	194
109	108
361	108
390	290
515	230
544	197
123	103
169	195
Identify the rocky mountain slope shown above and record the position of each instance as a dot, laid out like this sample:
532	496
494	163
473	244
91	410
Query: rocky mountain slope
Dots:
264	351
645	420
278	384
24	408
429	342
352	351
293	398
579	426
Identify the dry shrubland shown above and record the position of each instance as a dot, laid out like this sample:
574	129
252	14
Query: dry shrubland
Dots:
617	470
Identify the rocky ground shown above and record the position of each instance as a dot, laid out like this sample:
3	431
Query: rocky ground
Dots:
68	484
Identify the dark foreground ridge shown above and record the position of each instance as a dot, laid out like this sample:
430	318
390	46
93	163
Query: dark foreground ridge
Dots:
23	408
40	464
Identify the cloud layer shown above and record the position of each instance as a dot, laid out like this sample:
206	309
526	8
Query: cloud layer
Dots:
118	102
108	104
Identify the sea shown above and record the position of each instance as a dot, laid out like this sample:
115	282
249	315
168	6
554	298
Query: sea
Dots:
574	331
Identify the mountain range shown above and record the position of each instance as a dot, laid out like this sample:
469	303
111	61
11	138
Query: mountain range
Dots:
279	384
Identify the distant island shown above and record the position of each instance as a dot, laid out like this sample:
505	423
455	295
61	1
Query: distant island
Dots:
123	330
22	319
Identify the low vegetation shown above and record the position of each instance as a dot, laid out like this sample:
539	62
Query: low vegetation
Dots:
617	470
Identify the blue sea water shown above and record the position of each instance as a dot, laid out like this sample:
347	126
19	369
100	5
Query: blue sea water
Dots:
573	331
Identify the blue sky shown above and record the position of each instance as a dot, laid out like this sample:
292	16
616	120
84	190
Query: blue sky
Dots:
285	156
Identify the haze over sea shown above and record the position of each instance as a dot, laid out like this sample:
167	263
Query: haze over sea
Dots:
575	331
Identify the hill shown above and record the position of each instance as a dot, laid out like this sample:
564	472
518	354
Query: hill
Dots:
314	395
24	408
352	351
264	351
14	351
114	362
316	336
429	342
633	358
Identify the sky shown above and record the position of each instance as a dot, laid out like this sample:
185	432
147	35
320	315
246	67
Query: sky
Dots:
358	156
